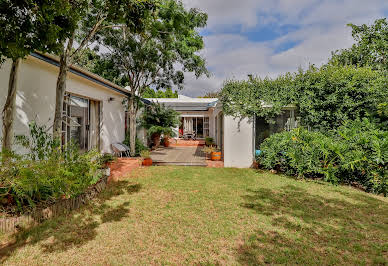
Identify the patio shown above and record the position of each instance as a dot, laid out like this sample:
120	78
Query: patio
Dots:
181	156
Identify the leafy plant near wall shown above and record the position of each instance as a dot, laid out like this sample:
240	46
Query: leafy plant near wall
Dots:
261	97
326	97
158	120
46	172
356	153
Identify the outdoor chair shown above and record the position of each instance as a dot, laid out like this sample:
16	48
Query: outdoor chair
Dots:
188	135
119	149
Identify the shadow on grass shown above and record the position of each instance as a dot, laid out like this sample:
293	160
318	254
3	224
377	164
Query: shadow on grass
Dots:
311	229
76	228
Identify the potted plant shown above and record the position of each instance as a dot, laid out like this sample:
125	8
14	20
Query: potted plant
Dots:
105	161
166	140
146	155
216	155
159	120
209	141
208	151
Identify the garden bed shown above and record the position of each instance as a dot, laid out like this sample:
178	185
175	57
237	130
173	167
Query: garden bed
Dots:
40	214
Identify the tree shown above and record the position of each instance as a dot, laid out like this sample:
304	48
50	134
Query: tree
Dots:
93	16
370	49
151	93
26	26
159	54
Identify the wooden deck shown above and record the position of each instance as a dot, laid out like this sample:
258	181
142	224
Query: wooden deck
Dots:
181	156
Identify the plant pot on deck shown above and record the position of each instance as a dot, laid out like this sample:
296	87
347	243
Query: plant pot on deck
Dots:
166	142
216	156
147	162
156	140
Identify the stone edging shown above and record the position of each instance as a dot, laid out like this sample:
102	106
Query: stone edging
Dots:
13	224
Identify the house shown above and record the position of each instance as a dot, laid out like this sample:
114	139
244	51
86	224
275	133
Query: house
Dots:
237	138
93	113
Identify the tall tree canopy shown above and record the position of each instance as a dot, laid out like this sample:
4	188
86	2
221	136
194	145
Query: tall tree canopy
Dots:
159	54
93	16
370	49
167	93
26	26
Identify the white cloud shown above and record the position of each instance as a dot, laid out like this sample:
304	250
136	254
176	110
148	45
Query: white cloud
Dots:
321	29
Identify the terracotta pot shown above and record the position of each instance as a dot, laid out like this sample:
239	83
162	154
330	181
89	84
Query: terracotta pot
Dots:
147	162
216	156
156	140
166	142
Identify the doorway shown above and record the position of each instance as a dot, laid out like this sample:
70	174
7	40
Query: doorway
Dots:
81	122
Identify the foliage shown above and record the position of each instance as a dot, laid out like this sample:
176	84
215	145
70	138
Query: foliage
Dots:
370	48
209	149
326	97
139	145
167	93
256	96
106	158
29	25
356	153
329	96
146	154
157	119
46	172
209	141
150	56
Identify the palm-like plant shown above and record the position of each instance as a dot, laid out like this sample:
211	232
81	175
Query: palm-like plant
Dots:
159	120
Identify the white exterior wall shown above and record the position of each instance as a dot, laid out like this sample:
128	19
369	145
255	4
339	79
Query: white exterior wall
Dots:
238	142
35	99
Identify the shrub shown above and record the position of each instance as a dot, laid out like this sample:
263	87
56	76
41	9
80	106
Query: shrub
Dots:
209	141
145	154
158	119
47	172
139	145
356	153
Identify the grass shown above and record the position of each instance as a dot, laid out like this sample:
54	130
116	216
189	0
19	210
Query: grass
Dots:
172	215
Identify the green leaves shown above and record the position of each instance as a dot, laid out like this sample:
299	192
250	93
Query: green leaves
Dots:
30	25
156	118
370	49
356	153
326	97
161	51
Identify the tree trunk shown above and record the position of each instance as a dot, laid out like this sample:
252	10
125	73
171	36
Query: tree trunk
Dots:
132	124
64	64
9	107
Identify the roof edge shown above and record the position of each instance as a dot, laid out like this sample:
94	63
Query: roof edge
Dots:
54	60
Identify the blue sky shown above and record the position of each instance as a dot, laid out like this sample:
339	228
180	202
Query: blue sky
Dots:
270	37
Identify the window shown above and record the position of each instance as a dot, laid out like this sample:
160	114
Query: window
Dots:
81	122
197	125
284	121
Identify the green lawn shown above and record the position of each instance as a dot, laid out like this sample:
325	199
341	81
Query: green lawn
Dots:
168	215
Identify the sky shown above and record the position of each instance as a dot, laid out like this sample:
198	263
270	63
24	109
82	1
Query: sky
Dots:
271	37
